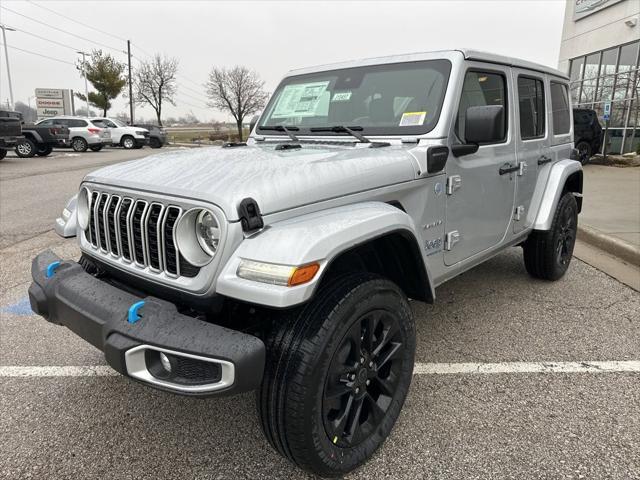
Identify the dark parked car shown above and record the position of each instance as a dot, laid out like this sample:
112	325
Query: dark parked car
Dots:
587	133
41	139
10	131
157	135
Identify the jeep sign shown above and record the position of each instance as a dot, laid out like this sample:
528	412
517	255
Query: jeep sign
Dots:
583	8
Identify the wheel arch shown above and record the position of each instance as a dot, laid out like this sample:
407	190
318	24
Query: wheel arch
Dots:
33	136
565	176
370	237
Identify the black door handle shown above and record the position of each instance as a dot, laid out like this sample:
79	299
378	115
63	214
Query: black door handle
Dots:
508	168
543	159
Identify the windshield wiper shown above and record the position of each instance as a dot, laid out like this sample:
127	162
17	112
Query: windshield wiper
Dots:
341	128
282	128
353	131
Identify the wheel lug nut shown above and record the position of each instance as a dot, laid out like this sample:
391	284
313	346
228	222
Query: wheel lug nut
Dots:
361	359
370	364
357	390
368	382
352	376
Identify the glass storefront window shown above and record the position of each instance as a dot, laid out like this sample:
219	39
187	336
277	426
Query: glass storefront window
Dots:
591	69
610	75
626	71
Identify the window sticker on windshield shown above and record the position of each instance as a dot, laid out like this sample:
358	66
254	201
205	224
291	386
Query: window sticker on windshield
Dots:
411	119
341	97
300	100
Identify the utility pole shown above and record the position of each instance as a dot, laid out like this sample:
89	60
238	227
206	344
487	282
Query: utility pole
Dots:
6	56
84	74
130	85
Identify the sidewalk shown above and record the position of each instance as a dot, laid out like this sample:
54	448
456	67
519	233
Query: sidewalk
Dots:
612	202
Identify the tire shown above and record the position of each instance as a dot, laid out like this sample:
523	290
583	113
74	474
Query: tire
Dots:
44	151
79	144
307	351
547	254
128	142
26	148
584	152
155	143
96	148
3	153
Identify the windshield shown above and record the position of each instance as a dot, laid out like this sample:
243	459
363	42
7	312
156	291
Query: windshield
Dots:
400	98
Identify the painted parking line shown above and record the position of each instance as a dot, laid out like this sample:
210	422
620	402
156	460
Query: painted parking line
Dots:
419	369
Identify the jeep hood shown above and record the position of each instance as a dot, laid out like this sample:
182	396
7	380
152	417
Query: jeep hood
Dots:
276	179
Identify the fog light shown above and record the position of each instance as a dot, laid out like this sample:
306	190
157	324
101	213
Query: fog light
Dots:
164	360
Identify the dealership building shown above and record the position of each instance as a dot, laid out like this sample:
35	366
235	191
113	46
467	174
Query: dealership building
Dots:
600	51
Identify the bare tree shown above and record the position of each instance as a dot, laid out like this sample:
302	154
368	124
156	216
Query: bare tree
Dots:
237	91
155	83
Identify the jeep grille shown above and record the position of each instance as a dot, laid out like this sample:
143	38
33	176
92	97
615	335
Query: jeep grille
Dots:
137	231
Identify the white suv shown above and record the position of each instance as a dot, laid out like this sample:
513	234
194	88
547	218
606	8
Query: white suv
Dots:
83	134
122	134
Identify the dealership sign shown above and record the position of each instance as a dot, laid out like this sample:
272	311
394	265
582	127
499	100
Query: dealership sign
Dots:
50	102
53	102
583	8
48	93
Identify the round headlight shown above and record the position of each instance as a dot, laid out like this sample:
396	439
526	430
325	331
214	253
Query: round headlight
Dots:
198	236
83	208
208	232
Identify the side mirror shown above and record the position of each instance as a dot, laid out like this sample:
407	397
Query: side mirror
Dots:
482	124
253	122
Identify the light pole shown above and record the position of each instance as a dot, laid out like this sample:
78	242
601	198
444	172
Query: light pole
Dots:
6	56
84	74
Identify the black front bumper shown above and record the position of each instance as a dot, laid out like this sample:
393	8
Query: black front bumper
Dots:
98	312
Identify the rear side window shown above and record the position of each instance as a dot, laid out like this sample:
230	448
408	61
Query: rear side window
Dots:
77	123
531	106
560	108
479	89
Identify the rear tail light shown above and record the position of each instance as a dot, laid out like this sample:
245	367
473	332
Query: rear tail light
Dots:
94	130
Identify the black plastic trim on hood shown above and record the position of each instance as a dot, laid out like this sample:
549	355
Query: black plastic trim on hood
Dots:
250	216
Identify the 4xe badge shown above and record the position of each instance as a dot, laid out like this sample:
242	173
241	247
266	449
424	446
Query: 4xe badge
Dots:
434	245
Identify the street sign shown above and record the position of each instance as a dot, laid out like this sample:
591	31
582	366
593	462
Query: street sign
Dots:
607	111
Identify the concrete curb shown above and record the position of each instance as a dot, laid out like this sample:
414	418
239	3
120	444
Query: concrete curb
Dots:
614	246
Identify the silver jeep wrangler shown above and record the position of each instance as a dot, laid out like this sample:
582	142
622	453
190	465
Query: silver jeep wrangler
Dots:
285	265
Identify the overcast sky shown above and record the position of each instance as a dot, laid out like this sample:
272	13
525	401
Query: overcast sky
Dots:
269	37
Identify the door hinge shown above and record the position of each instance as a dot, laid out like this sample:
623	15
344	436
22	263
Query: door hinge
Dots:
451	239
518	213
454	182
522	168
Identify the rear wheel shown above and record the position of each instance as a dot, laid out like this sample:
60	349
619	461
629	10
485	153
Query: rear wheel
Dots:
45	150
584	152
26	148
96	148
337	374
547	255
79	144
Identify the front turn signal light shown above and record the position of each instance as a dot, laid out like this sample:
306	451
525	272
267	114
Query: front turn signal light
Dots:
275	274
303	274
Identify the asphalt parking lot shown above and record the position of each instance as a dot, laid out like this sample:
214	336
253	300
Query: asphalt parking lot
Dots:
515	378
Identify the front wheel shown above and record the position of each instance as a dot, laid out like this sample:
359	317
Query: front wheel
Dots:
128	142
547	254
337	374
26	148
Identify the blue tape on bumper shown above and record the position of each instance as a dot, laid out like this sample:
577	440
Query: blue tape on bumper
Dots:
51	268
134	316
